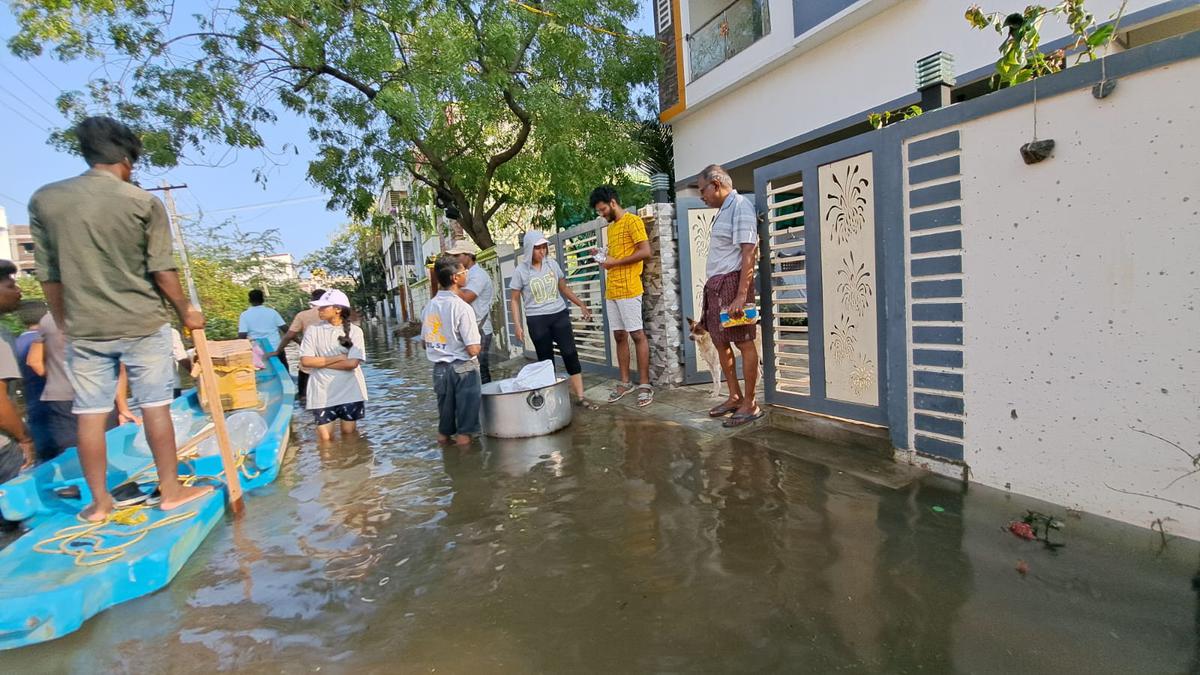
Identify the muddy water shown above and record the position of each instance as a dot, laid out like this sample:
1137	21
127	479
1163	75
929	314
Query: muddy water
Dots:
624	545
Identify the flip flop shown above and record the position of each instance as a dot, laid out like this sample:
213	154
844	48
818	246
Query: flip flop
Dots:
645	395
127	494
619	391
586	404
741	418
723	409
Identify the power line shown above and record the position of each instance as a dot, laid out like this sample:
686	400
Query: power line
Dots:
25	103
249	207
43	76
35	91
12	199
22	116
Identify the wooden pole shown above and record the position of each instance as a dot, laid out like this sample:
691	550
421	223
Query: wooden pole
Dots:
208	379
208	376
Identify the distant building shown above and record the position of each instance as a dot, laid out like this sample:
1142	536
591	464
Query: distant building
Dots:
406	246
20	243
5	242
274	269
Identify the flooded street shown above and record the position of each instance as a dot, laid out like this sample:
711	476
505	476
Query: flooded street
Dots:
624	544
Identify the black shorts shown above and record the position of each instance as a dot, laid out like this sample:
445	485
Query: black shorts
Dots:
347	412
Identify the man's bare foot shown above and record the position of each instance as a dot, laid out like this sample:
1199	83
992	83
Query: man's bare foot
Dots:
443	440
97	512
731	404
182	495
462	439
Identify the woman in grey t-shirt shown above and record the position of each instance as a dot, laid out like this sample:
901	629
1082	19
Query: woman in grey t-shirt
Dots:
538	285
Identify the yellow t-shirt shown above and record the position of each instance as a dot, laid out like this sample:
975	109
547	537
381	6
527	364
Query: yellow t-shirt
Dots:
623	237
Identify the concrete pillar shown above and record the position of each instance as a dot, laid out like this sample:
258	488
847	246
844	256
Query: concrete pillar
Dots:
661	304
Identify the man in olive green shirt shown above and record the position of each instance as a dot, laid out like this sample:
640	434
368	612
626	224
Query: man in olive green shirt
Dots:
104	256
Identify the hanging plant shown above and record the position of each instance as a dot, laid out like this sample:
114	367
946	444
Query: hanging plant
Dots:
1021	57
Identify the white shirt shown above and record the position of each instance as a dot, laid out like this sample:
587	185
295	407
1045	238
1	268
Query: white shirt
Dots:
328	387
448	327
480	283
734	225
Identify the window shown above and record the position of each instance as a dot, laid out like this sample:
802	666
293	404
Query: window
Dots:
663	14
28	248
732	29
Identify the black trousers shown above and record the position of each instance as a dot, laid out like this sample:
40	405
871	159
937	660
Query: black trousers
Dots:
555	329
485	348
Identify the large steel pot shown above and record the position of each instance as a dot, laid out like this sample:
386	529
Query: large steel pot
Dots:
521	414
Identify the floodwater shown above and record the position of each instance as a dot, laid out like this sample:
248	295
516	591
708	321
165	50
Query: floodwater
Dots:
628	545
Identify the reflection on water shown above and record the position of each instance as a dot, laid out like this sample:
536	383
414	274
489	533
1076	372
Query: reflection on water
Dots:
626	544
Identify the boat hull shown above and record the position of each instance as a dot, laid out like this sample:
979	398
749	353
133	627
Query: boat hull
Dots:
47	595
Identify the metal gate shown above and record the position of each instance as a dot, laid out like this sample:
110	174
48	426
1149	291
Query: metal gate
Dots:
831	250
571	249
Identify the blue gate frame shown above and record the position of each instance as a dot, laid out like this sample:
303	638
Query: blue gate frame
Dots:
889	256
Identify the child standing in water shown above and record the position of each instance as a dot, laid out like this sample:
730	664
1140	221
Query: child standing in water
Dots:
332	351
452	343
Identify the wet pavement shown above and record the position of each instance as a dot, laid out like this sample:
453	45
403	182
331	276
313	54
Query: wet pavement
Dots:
630	544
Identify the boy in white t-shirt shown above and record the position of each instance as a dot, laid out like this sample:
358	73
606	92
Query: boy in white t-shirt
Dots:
452	343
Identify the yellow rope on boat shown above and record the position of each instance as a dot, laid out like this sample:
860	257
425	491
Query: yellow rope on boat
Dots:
86	542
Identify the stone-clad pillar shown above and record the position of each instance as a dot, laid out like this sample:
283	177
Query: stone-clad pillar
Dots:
661	305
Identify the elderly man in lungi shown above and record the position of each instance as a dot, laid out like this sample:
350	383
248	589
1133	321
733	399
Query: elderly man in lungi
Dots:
732	254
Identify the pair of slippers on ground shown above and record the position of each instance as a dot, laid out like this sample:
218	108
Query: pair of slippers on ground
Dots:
738	419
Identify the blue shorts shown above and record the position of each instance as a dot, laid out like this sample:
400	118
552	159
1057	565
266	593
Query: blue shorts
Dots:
347	412
93	366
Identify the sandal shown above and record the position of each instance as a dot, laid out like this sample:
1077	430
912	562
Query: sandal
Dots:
645	395
723	409
740	419
619	391
586	404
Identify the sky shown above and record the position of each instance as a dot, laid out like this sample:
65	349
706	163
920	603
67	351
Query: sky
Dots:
288	202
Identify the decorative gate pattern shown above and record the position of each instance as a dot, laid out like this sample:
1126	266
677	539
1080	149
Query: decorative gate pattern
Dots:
699	226
825	346
848	294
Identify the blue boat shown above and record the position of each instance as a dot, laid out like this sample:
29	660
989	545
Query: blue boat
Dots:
55	575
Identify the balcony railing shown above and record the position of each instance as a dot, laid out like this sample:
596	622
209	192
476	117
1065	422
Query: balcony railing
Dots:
739	25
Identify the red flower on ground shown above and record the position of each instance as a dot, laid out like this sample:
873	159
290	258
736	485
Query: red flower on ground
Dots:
1022	530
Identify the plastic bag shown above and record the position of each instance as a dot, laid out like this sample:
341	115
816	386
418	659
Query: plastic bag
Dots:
182	420
246	428
535	376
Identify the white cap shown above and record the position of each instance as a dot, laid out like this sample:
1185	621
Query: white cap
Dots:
332	298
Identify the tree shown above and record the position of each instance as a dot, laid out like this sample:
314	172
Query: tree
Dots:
486	102
355	253
226	263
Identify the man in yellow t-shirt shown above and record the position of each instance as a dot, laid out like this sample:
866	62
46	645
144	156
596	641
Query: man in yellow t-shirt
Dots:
628	246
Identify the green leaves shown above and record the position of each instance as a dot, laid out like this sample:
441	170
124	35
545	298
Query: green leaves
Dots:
476	98
1021	58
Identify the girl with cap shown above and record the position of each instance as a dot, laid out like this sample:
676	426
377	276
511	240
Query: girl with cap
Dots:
539	284
332	351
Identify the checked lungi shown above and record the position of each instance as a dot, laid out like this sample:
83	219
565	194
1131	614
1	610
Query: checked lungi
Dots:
719	292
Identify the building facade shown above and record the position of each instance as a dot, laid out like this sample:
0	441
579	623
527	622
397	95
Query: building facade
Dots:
21	244
1002	316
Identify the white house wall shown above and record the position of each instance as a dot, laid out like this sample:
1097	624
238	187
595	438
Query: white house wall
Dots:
783	86
1082	300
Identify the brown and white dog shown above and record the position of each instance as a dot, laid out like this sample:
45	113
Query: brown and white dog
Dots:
708	355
